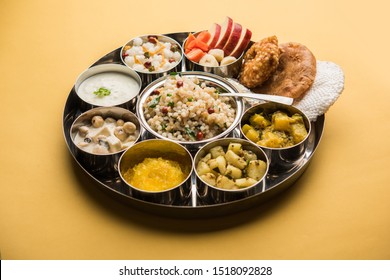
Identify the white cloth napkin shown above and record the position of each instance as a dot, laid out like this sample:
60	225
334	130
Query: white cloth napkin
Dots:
325	90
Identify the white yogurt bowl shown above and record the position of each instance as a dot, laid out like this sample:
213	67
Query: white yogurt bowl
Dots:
108	85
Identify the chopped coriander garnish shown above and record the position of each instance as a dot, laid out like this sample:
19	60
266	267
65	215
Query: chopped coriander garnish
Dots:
154	102
169	94
190	99
171	103
190	133
173	73
174	48
101	92
146	54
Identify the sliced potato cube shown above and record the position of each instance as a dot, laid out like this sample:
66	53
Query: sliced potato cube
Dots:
245	128
224	182
256	169
252	135
281	121
213	163
221	163
245	182
235	147
249	155
259	121
203	168
271	140
297	118
235	160
217	151
233	172
206	158
298	132
209	178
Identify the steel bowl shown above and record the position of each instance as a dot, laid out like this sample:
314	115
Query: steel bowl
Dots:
102	165
146	75
155	148
210	194
127	102
286	158
231	70
212	80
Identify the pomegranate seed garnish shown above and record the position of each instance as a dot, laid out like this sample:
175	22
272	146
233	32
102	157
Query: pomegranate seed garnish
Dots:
164	110
199	135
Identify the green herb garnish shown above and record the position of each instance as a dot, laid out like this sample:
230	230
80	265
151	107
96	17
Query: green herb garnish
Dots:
173	73
174	48
101	92
171	104
154	102
190	133
146	54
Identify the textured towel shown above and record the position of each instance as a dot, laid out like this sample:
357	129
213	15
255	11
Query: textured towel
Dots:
326	88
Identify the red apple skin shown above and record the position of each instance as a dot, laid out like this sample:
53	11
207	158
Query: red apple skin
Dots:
226	30
233	39
215	31
246	36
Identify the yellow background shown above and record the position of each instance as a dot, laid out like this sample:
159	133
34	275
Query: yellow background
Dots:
339	209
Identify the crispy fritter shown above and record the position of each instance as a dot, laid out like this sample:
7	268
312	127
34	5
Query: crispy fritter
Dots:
260	61
295	73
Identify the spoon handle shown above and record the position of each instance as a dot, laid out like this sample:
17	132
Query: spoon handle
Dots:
266	97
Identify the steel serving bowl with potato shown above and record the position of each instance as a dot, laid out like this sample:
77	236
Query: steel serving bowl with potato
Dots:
282	131
229	169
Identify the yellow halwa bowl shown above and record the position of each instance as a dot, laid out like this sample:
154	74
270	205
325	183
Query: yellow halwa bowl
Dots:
157	170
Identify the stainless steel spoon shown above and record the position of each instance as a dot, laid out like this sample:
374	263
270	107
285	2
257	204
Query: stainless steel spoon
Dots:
258	96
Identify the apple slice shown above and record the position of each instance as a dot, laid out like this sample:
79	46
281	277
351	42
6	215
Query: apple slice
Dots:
243	42
226	30
233	40
215	31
